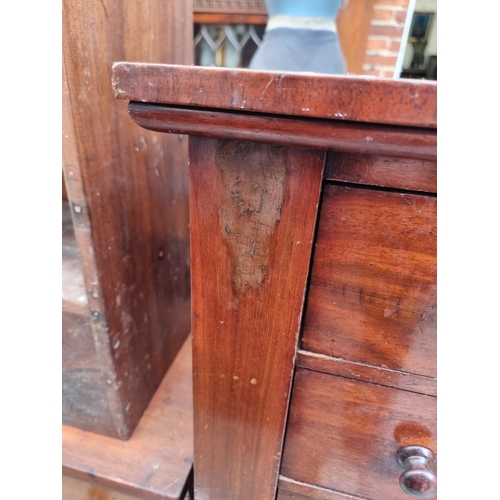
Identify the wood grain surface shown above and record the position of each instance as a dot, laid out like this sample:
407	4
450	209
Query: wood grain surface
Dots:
155	463
367	373
372	296
253	211
376	170
343	434
351	98
296	490
128	190
350	137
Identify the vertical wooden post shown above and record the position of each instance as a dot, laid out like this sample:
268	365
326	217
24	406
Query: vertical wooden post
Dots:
129	192
253	210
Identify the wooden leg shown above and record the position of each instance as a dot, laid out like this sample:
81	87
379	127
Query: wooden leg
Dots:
253	211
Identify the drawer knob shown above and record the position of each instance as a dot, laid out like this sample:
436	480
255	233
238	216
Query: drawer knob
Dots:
419	479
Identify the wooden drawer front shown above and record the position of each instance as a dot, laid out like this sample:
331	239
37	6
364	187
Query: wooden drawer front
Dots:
343	435
399	173
372	297
288	489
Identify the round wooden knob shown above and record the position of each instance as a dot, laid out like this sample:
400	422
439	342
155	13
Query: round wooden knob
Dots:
419	479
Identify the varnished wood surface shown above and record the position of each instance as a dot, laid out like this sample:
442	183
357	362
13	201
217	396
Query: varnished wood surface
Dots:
295	490
253	211
343	435
288	131
75	489
129	193
156	461
367	373
375	170
372	296
351	98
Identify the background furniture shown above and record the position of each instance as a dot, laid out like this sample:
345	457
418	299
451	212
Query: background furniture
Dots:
125	223
155	463
313	254
126	297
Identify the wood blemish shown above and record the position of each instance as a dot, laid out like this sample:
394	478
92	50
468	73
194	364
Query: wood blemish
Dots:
248	216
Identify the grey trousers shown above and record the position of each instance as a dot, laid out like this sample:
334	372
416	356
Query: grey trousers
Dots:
291	49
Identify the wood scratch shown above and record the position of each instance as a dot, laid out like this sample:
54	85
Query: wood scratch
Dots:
105	11
171	484
411	204
266	87
280	81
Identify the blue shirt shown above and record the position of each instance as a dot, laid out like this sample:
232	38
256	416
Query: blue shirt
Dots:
303	8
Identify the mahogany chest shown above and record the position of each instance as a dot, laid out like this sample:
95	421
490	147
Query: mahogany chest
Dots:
313	277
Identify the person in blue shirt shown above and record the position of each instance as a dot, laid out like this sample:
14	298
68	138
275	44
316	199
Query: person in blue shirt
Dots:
301	35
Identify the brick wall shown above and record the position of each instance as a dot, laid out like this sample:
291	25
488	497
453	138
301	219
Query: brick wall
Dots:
384	39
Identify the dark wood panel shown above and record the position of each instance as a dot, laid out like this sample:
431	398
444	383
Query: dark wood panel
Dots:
294	490
352	98
274	129
343	434
372	297
250	257
129	195
399	173
366	373
155	463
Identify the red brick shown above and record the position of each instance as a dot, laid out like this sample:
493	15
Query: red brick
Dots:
381	60
382	14
377	44
372	72
396	3
387	74
392	31
401	16
394	46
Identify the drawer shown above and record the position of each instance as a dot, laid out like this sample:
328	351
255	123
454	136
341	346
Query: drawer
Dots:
343	435
294	490
372	297
399	173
